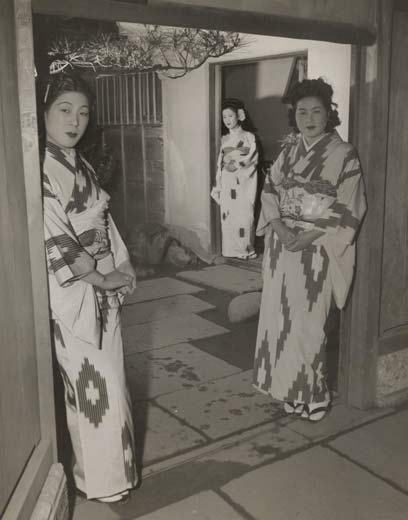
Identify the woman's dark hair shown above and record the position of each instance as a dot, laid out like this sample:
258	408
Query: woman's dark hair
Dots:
319	89
65	82
50	89
237	105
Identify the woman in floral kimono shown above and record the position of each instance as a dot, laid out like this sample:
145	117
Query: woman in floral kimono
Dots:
88	272
313	202
236	181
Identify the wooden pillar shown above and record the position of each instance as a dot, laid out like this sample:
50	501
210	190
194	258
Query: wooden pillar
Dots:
369	123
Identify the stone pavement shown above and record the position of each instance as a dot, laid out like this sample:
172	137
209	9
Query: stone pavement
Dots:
213	448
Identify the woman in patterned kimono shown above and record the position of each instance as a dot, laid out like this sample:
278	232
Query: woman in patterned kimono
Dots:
88	272
236	181
313	202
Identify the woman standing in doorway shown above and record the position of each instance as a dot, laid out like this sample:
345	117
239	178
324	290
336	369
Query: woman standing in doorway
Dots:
236	181
88	271
313	202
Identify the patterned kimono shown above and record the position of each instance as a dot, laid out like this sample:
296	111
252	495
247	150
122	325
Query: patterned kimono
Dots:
321	189
235	191
80	236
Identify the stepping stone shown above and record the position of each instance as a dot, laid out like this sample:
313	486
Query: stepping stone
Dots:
271	444
317	484
342	417
206	505
222	407
170	369
133	314
169	331
161	434
226	277
380	446
160	288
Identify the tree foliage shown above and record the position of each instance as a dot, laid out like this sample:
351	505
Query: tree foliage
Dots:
170	51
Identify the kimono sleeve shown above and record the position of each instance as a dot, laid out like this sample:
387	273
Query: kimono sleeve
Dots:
119	250
270	196
250	160
66	258
342	219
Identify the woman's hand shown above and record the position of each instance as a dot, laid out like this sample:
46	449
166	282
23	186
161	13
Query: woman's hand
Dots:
284	233
303	240
127	268
116	280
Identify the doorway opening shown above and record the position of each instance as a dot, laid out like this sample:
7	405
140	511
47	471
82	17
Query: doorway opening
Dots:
179	119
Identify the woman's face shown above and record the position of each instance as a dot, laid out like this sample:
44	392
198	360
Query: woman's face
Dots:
66	119
230	118
311	118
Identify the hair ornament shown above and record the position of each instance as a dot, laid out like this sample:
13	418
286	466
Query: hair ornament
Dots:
241	114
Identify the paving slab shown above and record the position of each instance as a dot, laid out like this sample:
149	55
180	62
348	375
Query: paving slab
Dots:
170	369
226	277
342	417
168	331
380	446
222	407
316	484
267	446
88	510
160	288
202	506
159	434
144	312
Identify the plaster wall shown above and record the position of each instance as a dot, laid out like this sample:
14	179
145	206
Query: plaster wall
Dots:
187	134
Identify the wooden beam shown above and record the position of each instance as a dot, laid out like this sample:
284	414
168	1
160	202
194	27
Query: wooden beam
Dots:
319	24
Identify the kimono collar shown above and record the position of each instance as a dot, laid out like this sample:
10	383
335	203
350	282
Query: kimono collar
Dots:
57	150
309	147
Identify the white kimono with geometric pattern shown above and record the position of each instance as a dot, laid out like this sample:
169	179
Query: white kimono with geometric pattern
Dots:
80	236
235	191
320	188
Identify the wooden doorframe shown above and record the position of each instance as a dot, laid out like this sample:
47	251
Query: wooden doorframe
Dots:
358	341
214	110
24	497
370	82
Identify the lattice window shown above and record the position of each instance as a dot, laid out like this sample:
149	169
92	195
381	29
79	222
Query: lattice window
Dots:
129	99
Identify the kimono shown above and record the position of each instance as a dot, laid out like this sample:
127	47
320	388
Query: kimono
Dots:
320	188
235	192
80	236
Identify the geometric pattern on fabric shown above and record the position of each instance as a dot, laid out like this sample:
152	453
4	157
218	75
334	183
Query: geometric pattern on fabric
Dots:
59	156
82	189
262	365
285	322
92	393
301	388
276	248
69	389
68	249
130	465
315	267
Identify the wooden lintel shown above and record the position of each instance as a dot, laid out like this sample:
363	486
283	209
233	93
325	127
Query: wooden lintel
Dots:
174	14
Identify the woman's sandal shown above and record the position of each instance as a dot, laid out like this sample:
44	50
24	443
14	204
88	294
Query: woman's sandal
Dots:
293	408
119	498
315	414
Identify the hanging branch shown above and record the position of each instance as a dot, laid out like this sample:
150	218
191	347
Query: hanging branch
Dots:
171	51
